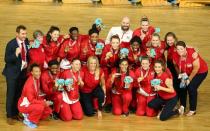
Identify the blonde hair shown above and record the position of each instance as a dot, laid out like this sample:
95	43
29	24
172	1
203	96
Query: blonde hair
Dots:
97	70
149	44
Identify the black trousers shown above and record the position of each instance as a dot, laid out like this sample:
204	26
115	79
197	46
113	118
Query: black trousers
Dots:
167	107
14	90
192	91
86	100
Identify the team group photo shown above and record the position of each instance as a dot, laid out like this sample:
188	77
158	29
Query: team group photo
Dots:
104	65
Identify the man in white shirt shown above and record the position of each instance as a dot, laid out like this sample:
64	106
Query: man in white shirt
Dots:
123	31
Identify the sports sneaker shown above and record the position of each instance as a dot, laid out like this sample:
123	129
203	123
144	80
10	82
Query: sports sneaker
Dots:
191	113
181	110
29	124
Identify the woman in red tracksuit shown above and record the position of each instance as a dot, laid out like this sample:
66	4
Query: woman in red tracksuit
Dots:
187	61
135	53
48	82
109	60
144	32
166	100
88	46
36	51
70	49
158	46
121	91
31	104
145	92
71	107
134	56
52	43
94	87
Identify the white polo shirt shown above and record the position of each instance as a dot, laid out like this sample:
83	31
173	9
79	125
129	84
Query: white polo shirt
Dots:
124	36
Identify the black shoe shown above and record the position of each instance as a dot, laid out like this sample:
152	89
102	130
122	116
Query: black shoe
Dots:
132	110
108	108
55	116
126	114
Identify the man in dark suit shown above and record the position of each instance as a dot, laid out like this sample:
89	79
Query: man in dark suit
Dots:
16	58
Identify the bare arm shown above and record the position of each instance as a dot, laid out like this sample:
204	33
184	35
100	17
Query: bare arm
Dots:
169	85
196	66
103	85
176	68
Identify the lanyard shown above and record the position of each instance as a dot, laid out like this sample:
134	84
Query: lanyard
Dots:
74	77
36	86
136	54
91	46
51	76
113	52
72	43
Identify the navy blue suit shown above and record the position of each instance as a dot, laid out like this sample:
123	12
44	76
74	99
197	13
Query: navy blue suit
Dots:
15	77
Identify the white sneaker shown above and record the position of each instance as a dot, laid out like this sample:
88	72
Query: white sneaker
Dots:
158	116
191	113
181	110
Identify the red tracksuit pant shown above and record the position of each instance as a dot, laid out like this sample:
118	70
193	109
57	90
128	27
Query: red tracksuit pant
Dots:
57	99
71	111
142	106
121	102
36	112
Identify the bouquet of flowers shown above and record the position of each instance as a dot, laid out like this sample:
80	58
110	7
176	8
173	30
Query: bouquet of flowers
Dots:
123	53
99	23
184	77
69	83
35	44
99	48
127	81
60	83
152	53
157	30
155	82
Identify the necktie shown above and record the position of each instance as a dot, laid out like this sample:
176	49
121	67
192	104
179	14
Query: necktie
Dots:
23	52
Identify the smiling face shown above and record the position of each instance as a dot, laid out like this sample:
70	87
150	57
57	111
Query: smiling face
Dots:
124	66
170	40
36	72
92	64
155	41
145	64
54	35
21	35
135	46
76	65
94	38
115	43
39	38
181	50
145	26
158	68
54	69
125	24
74	35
